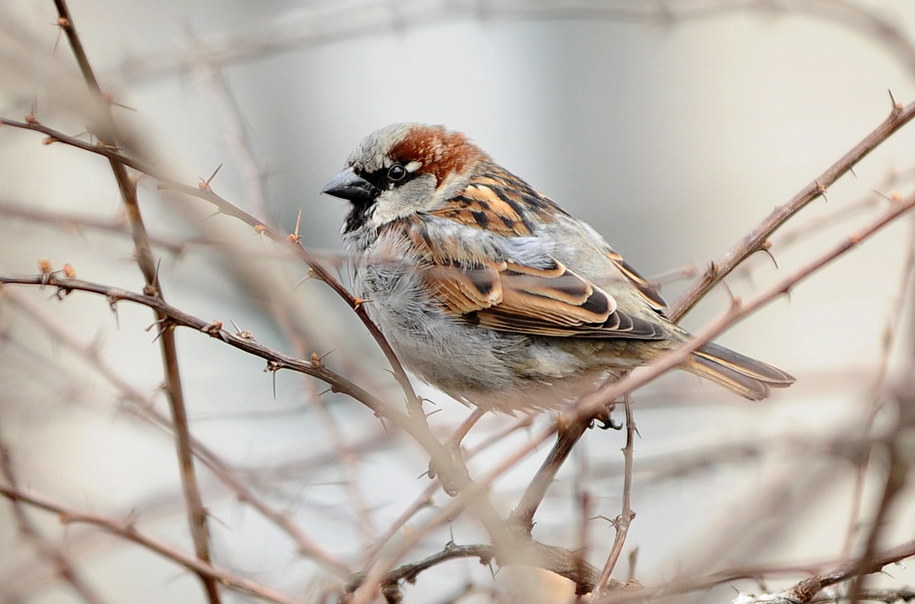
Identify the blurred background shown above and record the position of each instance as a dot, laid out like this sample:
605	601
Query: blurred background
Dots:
673	128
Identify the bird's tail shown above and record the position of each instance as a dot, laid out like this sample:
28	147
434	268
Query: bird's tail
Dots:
745	376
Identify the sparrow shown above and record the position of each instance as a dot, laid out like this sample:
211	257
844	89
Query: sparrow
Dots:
489	291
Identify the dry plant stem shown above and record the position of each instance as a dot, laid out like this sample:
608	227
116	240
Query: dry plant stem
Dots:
197	515
524	551
756	240
752	243
143	408
819	579
205	193
44	547
897	471
805	590
621	523
410	572
453	471
77	222
349	461
891	331
588	405
425	498
129	532
566	438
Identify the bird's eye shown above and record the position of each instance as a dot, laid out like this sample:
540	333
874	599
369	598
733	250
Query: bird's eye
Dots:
396	173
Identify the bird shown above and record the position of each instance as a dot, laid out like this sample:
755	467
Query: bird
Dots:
489	291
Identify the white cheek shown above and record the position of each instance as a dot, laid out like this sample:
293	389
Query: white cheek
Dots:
405	200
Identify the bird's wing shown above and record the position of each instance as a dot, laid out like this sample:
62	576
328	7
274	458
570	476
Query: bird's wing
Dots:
647	290
499	202
517	288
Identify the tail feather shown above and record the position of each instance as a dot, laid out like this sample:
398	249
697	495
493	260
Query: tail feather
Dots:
747	377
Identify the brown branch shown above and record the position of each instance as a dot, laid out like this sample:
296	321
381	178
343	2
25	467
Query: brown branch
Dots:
567	436
818	580
129	532
75	222
143	409
205	192
60	561
756	240
146	260
874	562
621	523
452	470
587	406
410	572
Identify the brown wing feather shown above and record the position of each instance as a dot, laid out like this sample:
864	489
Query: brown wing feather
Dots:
648	291
506	296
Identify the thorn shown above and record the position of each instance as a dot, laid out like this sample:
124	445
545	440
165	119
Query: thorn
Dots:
113	305
358	302
204	185
821	190
765	248
712	270
735	301
294	237
897	106
311	274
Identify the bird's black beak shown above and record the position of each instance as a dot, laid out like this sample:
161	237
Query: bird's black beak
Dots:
351	186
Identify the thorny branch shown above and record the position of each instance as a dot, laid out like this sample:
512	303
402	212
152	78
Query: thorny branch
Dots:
756	240
579	412
129	532
575	419
107	135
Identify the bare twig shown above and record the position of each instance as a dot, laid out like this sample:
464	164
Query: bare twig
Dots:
835	572
318	270
59	560
756	240
146	260
129	532
143	408
621	523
